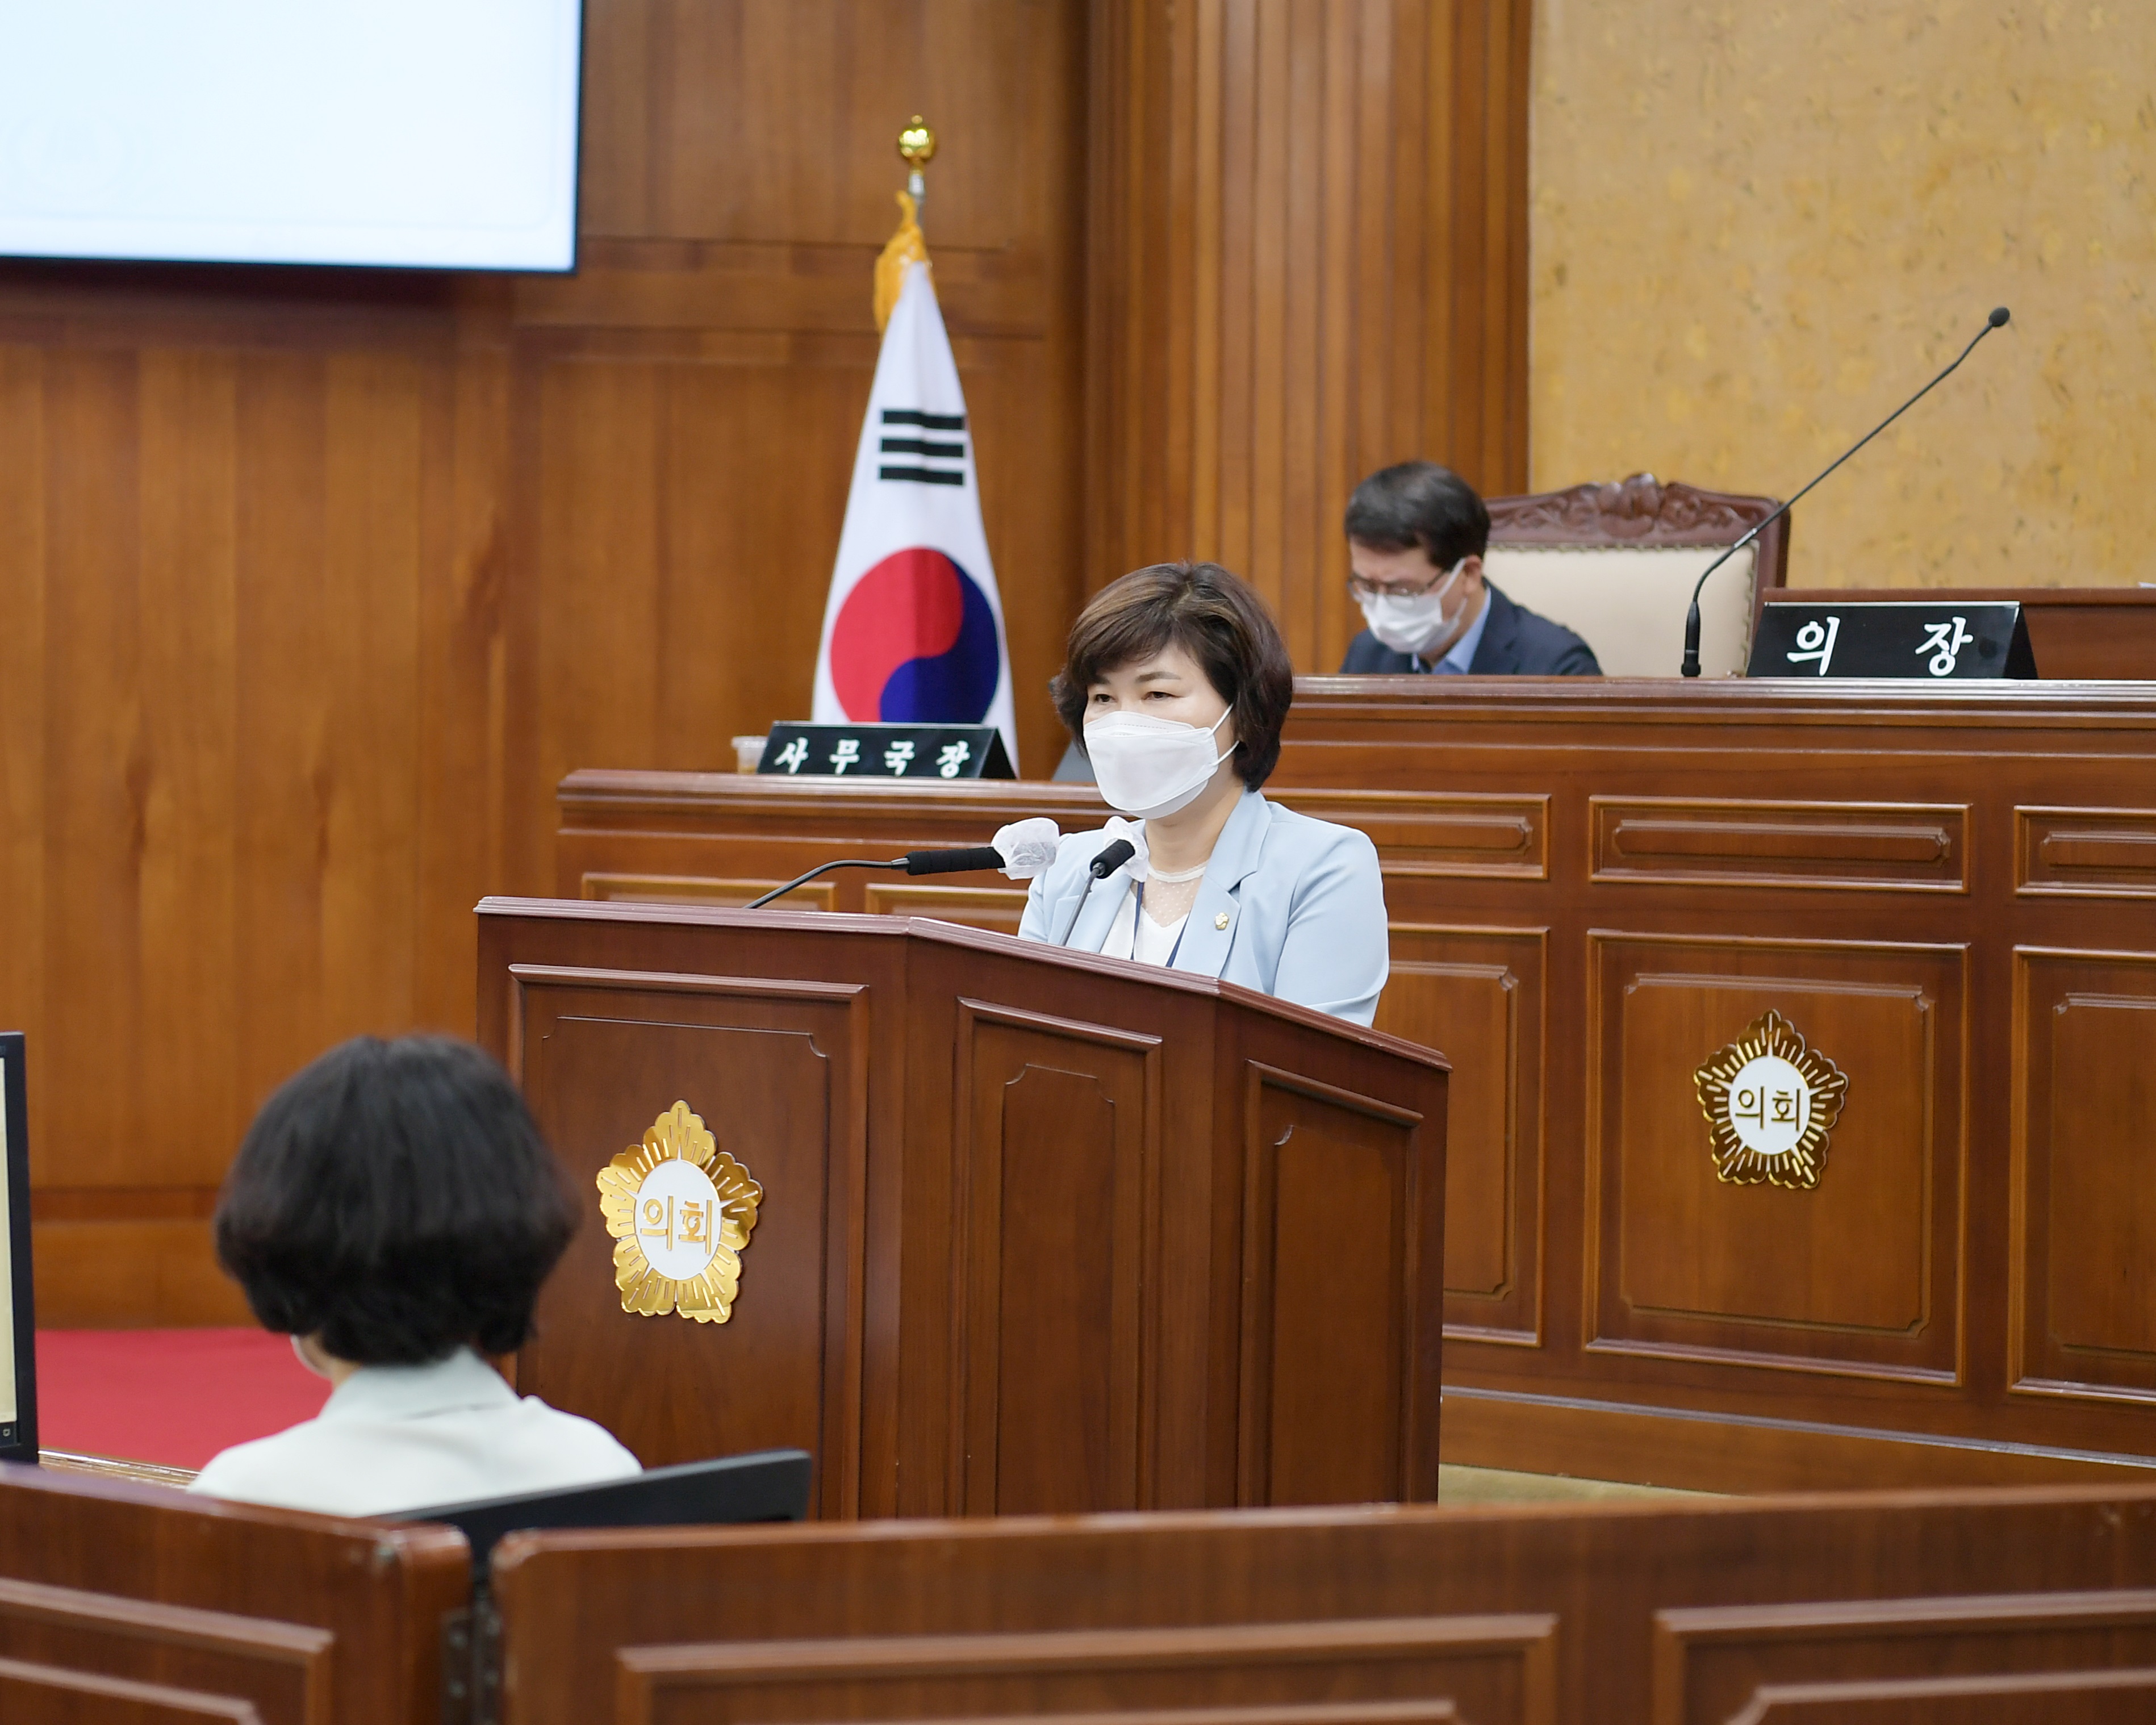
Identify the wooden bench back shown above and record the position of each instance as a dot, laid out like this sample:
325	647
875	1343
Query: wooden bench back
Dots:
134	1604
1889	1609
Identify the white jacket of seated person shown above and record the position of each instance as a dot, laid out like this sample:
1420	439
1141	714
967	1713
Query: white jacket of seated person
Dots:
1289	905
397	1438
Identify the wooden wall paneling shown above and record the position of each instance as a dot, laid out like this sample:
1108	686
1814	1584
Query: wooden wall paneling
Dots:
2085	1079
256	580
1477	993
775	1069
1056	1157
1860	1275
1307	260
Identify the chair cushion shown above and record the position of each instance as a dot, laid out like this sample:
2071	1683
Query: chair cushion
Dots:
1629	602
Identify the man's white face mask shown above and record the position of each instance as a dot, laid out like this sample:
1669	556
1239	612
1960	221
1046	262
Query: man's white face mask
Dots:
1149	768
1416	623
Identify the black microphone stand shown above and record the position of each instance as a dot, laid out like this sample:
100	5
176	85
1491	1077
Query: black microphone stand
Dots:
849	862
1690	665
971	859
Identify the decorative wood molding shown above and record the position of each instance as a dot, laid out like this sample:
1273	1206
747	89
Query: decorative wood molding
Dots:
1642	510
1869	846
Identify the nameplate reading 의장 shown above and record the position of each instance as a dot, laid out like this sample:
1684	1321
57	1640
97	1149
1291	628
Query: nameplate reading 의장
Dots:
1931	641
885	752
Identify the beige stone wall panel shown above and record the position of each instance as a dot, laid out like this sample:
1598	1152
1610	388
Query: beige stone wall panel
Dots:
1757	227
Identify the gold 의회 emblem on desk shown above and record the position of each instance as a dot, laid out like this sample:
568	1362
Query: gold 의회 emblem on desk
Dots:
1769	1102
681	1211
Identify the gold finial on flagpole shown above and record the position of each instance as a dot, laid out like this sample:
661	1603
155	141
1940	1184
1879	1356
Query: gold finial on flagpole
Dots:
917	148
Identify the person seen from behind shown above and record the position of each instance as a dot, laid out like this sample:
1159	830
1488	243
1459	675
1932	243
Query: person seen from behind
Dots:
394	1209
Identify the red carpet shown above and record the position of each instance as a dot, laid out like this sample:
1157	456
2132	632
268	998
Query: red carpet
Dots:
175	1397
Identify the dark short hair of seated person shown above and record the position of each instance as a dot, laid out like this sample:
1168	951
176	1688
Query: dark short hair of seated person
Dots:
1214	617
1419	504
395	1200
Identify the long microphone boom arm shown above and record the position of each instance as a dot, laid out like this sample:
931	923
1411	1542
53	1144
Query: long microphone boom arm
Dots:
972	858
1691	666
844	862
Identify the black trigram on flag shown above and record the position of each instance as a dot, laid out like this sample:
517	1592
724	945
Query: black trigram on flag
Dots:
936	459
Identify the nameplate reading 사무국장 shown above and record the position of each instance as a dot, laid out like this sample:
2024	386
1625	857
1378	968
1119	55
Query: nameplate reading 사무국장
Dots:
885	752
1931	641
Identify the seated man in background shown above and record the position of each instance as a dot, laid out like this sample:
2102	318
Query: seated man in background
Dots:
394	1209
1416	534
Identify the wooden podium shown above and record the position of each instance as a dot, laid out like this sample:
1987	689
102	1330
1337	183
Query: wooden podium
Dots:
1038	1231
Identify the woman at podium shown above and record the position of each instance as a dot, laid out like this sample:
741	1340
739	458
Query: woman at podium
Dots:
1175	685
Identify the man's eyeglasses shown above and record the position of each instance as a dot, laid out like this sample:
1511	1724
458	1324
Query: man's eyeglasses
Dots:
1363	589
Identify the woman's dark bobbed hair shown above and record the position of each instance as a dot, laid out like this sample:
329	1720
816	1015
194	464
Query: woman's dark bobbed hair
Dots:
396	1200
1215	618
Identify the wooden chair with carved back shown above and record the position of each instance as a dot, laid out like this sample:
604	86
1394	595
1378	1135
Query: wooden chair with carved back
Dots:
1616	563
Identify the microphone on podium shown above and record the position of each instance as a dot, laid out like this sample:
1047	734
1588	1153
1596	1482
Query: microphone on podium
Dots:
952	862
1022	849
1689	668
1113	855
1111	858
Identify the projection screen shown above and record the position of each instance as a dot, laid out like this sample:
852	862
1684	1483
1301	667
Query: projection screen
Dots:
430	134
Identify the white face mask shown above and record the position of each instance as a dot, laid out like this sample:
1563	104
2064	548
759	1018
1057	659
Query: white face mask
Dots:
1415	624
1149	768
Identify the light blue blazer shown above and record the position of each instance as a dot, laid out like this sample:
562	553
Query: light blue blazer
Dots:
1302	900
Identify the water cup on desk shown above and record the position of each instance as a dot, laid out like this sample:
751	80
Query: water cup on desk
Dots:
748	751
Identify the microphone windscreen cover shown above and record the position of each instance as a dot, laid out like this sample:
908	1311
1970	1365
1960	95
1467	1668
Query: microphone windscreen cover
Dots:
2000	314
1027	847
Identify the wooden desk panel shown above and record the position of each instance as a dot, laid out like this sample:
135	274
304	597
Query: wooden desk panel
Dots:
1950	892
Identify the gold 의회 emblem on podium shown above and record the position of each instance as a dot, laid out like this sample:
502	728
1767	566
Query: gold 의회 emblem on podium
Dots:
1769	1102
681	1211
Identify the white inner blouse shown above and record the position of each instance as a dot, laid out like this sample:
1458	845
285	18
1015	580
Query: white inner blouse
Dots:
1134	934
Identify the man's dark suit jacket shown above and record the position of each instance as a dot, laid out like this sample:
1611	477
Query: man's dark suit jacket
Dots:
1516	643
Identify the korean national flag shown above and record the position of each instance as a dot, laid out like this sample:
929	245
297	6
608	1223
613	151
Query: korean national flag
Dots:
913	631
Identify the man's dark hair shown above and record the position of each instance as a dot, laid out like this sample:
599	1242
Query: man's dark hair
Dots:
1218	620
396	1200
1420	503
